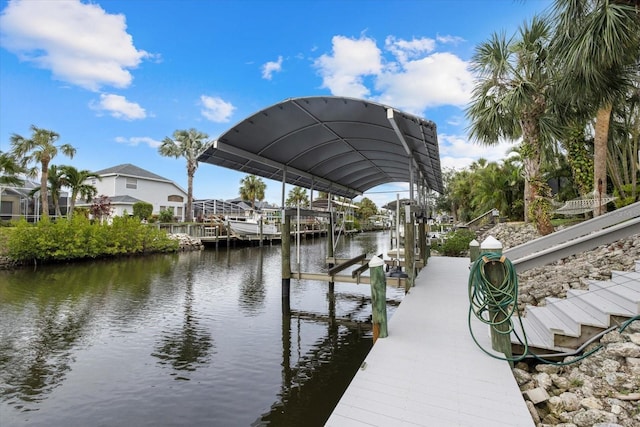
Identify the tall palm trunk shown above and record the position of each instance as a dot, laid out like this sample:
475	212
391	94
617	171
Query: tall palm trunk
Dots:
600	157
190	172
44	196
536	204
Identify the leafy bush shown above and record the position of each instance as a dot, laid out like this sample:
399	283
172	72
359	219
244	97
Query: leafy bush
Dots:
142	210
79	238
165	216
456	243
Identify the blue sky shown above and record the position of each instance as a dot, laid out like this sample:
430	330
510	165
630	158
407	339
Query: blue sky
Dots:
114	77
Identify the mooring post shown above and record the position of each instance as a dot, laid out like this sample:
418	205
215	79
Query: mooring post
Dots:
474	250
261	235
409	249
422	241
378	298
286	264
495	273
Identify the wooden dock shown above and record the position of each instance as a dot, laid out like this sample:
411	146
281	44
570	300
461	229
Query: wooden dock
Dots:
428	371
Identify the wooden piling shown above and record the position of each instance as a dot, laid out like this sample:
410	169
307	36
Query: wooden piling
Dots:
409	251
495	273
422	241
474	250
378	298
286	264
330	237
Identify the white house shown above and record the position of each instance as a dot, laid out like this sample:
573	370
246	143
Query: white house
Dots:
127	184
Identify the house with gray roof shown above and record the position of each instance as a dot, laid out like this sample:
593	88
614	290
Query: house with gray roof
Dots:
127	184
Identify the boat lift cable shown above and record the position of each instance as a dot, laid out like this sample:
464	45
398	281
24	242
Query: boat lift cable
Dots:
496	305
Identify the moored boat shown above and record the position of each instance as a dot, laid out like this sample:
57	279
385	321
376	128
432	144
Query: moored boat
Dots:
251	226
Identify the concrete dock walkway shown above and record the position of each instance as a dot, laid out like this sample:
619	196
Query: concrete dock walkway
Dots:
428	371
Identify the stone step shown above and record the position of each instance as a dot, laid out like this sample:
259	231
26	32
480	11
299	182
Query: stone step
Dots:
532	338
582	312
572	313
548	323
632	278
599	307
619	293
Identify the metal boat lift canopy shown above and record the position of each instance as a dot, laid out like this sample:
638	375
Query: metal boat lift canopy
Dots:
342	146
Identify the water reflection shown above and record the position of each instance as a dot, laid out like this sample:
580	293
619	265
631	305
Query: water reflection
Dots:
190	345
252	291
103	343
312	385
46	316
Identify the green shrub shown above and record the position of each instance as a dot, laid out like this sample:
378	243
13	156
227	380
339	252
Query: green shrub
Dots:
142	210
165	216
456	243
79	238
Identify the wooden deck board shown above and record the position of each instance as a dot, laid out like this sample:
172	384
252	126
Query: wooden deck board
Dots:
428	371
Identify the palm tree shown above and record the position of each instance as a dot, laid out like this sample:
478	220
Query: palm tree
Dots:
490	189
56	182
252	189
623	149
187	144
76	180
9	168
459	188
40	148
597	42
510	101
298	196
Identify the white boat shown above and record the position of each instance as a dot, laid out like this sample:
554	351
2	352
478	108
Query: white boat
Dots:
396	253
251	226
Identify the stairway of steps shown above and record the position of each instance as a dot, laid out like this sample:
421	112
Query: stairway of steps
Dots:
565	324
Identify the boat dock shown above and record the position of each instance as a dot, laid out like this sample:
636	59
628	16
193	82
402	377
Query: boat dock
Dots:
428	371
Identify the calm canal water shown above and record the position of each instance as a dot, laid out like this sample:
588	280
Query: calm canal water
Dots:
193	339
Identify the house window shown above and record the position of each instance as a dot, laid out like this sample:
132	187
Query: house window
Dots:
132	183
179	212
175	198
6	209
162	208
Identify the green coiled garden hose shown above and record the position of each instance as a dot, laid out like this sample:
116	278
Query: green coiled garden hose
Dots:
495	305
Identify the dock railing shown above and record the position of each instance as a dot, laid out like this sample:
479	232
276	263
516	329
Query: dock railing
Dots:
578	238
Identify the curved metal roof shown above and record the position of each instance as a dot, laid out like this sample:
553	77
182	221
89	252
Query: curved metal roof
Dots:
343	146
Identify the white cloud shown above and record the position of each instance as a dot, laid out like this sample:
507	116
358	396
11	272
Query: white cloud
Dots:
343	71
431	81
271	67
458	152
454	40
216	109
118	106
404	50
136	140
415	77
80	43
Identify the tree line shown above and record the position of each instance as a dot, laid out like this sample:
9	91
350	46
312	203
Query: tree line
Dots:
566	85
567	82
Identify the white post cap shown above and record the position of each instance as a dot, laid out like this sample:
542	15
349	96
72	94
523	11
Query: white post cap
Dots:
474	242
376	262
491	243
